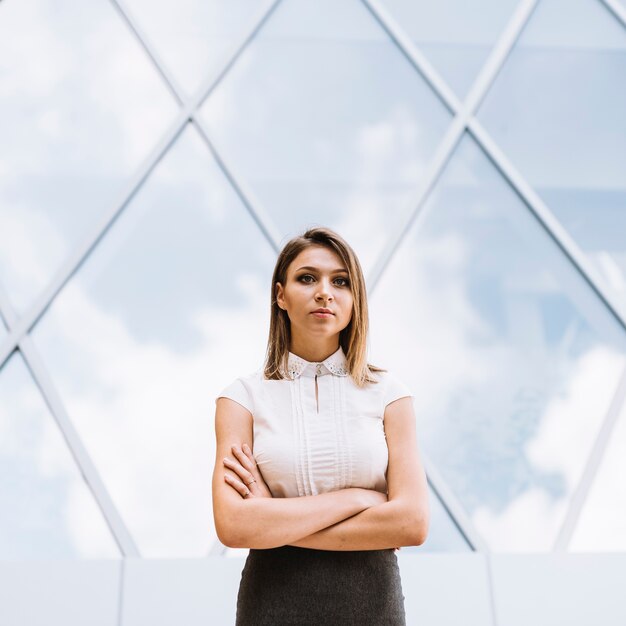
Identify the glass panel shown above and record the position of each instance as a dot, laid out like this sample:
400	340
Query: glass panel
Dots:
456	36
80	108
512	358
48	511
557	109
327	122
194	36
602	523
171	306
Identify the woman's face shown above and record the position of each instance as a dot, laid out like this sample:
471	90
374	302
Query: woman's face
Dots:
316	278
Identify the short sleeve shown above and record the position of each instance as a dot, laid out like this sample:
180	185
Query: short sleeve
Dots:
395	389
238	392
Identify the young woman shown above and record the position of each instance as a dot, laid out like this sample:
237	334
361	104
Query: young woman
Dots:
317	467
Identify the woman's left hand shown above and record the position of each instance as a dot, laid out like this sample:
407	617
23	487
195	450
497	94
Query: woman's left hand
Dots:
248	482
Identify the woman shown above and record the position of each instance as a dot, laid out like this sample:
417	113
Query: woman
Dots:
317	467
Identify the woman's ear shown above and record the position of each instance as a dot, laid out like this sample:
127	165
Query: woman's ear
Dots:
280	300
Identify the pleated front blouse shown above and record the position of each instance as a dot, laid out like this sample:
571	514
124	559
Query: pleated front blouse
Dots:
316	431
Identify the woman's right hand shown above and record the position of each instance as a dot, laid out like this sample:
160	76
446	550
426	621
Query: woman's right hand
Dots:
248	482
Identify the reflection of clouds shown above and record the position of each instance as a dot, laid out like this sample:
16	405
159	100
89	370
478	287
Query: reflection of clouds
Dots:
481	397
529	523
77	66
193	35
48	508
602	524
384	146
571	419
81	106
421	321
145	412
29	241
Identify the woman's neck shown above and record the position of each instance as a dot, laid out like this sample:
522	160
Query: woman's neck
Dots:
314	352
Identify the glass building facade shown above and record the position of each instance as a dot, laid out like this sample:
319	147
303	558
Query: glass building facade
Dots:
155	156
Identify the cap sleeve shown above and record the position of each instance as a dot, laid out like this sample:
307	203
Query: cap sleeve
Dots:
238	392
395	389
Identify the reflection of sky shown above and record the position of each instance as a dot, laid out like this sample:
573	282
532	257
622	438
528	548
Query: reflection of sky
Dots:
327	122
171	306
193	36
603	521
454	35
80	107
47	509
557	109
512	358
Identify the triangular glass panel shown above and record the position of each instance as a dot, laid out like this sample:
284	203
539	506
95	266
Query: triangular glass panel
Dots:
195	36
48	511
327	122
456	36
512	357
557	110
169	308
81	108
602	523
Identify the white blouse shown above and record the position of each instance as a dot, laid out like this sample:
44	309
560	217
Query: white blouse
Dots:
305	446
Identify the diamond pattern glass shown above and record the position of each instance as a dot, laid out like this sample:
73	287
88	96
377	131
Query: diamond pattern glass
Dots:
80	108
171	306
327	122
512	358
455	36
557	110
48	511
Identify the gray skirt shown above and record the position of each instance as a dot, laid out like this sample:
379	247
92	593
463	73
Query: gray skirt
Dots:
298	586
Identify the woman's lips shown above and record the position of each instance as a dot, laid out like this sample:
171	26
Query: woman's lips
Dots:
321	315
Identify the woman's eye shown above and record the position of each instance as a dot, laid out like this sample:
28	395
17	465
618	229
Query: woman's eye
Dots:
343	282
305	276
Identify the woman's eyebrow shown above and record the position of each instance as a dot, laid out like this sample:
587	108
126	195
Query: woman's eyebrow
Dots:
314	269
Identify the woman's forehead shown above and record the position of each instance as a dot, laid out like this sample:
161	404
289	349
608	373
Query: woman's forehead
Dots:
319	257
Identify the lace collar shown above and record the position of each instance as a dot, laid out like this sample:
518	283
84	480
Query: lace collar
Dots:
336	364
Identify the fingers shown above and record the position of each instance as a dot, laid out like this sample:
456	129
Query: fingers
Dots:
246	477
237	485
246	460
243	466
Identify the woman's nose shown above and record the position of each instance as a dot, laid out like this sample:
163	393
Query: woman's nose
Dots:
323	291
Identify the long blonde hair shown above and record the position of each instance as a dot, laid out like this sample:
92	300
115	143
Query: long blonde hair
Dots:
352	339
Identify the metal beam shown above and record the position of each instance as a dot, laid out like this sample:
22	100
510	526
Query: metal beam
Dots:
463	112
101	226
74	443
617	9
579	497
463	116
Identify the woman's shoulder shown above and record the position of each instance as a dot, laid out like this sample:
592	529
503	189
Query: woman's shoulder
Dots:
390	385
241	389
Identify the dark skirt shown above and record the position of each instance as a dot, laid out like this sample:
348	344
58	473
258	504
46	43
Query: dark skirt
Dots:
298	586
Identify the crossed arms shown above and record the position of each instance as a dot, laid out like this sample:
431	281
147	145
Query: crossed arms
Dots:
348	519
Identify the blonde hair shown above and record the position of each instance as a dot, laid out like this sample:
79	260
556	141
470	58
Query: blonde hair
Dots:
352	339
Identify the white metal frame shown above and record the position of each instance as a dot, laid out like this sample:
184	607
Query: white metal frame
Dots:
464	120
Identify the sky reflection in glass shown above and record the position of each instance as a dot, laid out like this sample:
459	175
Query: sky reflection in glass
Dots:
172	305
512	357
557	110
454	35
80	108
48	510
193	36
327	122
